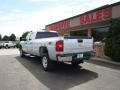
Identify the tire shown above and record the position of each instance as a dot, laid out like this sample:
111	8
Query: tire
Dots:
6	47
47	64
22	54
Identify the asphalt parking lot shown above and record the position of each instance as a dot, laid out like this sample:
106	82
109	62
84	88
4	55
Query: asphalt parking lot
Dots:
18	73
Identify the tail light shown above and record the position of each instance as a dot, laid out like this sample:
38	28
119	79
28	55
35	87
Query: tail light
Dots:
59	46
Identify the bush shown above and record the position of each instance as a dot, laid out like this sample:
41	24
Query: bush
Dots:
112	42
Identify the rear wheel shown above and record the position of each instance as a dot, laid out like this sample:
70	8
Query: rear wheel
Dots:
47	64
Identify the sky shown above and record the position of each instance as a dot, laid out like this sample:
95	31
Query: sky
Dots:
18	16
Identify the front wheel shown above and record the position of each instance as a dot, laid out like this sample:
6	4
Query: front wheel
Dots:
22	54
47	64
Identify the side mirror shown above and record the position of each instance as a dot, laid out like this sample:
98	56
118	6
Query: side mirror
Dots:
22	39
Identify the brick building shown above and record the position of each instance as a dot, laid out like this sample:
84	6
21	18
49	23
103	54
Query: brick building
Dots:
92	23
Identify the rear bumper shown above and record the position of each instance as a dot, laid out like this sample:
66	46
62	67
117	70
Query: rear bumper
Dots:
74	57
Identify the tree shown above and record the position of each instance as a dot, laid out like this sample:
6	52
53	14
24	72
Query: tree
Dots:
0	37
112	44
25	34
5	38
12	37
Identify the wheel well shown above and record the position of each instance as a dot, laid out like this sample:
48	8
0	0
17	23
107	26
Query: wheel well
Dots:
43	50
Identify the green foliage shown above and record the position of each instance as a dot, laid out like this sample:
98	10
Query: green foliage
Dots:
5	38
12	37
112	45
25	34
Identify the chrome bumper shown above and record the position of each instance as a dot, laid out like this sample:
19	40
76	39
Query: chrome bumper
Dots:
75	56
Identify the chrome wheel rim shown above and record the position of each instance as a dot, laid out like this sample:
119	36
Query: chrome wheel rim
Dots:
44	62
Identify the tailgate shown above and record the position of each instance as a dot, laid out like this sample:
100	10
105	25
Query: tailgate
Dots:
76	45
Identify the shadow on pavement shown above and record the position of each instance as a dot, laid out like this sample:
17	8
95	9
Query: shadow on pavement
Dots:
62	78
103	63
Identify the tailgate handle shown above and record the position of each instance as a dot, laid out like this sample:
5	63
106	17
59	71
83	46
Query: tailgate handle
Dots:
80	41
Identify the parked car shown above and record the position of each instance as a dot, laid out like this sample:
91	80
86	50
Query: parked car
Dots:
8	44
54	48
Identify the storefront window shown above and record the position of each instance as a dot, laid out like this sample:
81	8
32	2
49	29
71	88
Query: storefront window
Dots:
79	33
99	34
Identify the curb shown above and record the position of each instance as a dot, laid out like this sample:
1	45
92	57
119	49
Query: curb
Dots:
105	60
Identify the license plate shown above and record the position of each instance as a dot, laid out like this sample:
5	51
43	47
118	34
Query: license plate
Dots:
79	55
69	58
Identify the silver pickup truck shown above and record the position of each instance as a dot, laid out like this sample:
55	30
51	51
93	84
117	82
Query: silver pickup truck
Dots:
51	48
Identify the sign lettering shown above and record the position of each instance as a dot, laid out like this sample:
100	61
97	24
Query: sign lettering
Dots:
60	25
99	15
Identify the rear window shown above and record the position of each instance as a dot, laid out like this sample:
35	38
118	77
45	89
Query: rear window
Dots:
46	35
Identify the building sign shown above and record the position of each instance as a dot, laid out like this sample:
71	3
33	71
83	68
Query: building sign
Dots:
60	25
93	17
100	15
